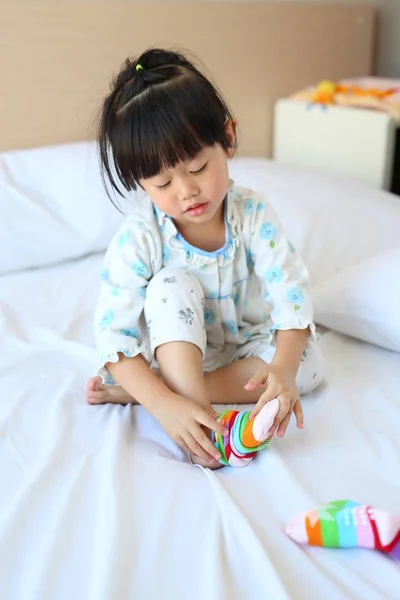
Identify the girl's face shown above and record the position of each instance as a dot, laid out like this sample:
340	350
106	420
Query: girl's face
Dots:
193	191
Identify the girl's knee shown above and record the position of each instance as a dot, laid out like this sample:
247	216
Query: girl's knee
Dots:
311	369
174	295
174	309
170	281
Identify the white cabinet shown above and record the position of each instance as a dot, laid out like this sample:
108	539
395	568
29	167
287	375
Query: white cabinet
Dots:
346	141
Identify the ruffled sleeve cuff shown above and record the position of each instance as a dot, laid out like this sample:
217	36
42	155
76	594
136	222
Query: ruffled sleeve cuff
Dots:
295	324
113	357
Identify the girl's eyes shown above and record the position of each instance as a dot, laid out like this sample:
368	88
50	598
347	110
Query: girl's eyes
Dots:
203	168
200	170
163	187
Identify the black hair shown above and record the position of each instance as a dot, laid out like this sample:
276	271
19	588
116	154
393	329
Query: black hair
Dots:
161	110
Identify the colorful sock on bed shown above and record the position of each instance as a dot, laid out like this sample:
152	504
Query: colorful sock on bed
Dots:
245	437
347	524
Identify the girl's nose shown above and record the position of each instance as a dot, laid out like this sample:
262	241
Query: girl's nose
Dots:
188	189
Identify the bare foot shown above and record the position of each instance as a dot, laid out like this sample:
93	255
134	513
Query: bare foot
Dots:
99	393
196	460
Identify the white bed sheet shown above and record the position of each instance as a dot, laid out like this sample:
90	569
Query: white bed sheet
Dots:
96	503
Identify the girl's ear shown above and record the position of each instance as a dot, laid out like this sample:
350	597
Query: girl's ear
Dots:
230	131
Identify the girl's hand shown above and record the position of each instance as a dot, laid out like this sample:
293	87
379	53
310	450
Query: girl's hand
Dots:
184	421
280	383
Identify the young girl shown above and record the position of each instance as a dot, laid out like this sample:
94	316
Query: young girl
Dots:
203	299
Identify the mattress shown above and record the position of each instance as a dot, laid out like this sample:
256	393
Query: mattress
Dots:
96	503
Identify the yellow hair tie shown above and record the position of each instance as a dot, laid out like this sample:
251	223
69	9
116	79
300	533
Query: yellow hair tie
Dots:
138	67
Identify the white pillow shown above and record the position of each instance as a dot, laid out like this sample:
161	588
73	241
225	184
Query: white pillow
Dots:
363	300
333	222
53	206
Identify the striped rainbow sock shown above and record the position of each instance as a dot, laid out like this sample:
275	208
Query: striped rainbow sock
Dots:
347	524
245	437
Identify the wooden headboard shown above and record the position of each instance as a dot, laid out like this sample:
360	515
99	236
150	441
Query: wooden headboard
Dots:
57	58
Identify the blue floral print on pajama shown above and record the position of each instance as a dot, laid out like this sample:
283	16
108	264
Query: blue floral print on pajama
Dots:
255	284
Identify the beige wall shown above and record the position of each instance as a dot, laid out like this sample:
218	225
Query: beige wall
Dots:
388	50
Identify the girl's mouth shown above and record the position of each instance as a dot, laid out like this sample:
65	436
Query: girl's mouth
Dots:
197	209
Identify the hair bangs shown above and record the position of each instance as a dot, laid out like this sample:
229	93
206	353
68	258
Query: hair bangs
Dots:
156	117
167	125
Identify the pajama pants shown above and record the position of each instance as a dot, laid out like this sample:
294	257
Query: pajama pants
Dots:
174	312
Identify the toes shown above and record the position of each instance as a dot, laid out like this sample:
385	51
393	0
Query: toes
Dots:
96	397
215	466
91	400
203	463
95	384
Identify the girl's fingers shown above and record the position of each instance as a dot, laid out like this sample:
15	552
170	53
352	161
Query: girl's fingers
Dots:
284	406
180	441
208	421
284	424
270	393
198	450
206	444
298	411
259	378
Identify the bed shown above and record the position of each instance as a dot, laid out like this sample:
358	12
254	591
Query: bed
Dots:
97	503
